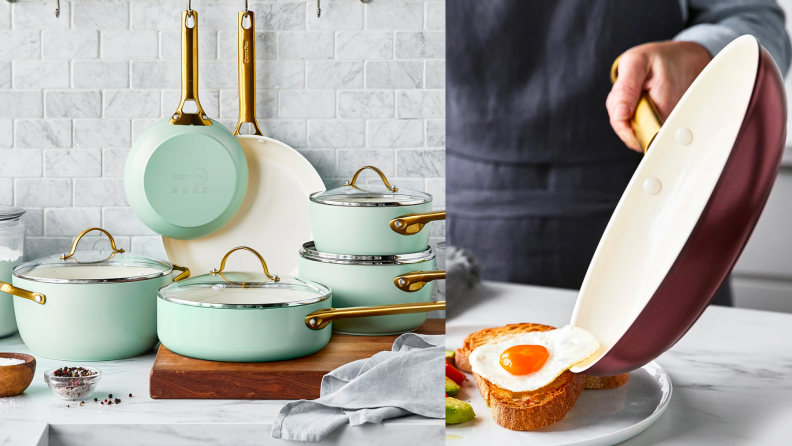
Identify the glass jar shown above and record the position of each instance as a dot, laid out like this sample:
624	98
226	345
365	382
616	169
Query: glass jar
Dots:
12	253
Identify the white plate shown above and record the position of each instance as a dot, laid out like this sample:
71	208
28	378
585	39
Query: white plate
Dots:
599	418
274	218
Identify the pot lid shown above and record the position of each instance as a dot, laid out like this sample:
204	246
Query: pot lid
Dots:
687	212
10	213
240	290
351	194
309	252
92	266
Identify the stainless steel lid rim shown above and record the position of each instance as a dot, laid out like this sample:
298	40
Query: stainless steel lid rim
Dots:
20	271
309	252
314	197
269	306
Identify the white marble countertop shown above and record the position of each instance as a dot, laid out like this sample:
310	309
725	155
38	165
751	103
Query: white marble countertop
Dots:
732	372
37	418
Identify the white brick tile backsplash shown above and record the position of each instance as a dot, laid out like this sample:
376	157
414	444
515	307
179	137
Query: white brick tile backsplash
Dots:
364	45
33	218
131	103
29	74
158	74
394	74
113	162
5	15
149	247
266	104
99	192
304	45
427	104
157	15
213	17
349	161
101	133
73	104
100	15
266	45
335	74
336	133
20	163
335	16
40	133
291	132
218	75
395	133
126	45
306	104
20	45
435	16
435	133
420	163
29	15
435	74
170	45
420	45
141	125
43	192
365	104
278	16
71	44
6	132
286	74
122	221
100	74
21	104
5	75
68	163
324	160
71	221
394	16
7	191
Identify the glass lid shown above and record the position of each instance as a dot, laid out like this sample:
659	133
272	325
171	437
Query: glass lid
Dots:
239	290
110	266
10	213
351	194
309	252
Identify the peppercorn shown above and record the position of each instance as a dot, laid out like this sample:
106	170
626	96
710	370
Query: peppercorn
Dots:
67	405
110	396
130	395
117	400
96	399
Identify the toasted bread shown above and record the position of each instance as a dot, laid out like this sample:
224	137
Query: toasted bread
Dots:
606	382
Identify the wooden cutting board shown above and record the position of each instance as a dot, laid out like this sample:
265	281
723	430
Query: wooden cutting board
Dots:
176	377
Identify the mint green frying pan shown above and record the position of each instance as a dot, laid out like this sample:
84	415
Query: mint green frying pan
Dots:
186	176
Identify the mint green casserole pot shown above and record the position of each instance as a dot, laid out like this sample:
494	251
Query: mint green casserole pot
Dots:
253	316
372	220
89	305
360	280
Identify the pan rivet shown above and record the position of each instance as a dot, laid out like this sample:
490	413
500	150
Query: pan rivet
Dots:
683	136
38	298
312	322
399	223
204	116
262	141
652	186
176	116
402	282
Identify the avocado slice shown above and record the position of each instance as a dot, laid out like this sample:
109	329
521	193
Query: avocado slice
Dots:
450	356
458	411
452	388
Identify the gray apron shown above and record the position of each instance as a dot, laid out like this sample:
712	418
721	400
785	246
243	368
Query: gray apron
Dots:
534	170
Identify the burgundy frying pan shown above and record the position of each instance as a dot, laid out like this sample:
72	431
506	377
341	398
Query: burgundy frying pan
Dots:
687	213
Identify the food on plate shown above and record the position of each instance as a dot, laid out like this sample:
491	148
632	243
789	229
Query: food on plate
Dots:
455	375
449	356
606	382
458	411
452	388
488	335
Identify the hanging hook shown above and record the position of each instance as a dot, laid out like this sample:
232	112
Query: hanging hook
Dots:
318	8
189	6
57	8
246	5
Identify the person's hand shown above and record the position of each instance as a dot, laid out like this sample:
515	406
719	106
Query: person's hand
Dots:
665	70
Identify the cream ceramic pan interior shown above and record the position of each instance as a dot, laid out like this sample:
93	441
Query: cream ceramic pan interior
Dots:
664	202
274	218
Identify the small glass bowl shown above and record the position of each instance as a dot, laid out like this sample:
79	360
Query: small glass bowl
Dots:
72	389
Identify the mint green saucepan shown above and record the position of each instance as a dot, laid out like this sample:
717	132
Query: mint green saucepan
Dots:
89	305
186	176
359	220
360	280
254	317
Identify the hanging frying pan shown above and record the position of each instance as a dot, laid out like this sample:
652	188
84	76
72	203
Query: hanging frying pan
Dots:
687	212
274	216
186	176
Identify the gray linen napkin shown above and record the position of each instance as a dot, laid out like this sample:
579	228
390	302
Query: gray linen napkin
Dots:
406	380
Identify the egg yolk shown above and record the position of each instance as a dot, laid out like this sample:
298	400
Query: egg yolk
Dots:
524	359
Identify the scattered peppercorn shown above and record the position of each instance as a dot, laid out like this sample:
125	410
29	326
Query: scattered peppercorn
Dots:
110	396
80	403
109	403
130	395
117	400
102	403
67	405
96	399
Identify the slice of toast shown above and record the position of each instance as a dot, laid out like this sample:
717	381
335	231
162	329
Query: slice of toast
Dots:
606	382
522	411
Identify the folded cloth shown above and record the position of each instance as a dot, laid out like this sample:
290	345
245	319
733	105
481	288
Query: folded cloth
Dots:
406	380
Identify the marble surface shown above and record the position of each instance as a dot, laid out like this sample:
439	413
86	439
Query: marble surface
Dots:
37	418
730	372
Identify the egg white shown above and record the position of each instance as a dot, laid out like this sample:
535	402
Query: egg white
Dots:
567	346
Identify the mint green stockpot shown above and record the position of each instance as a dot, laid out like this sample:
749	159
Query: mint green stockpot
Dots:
360	280
253	316
89	305
373	220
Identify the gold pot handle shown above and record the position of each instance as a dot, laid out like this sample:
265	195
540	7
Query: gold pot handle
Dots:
185	272
319	319
244	248
414	281
25	294
413	223
646	120
246	55
80	236
189	72
382	175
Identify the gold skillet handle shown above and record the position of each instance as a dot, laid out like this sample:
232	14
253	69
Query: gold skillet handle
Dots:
25	294
185	272
246	55
646	120
319	319
414	281
382	175
189	72
80	236
413	223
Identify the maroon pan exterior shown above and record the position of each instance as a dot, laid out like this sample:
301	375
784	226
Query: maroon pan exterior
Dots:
720	235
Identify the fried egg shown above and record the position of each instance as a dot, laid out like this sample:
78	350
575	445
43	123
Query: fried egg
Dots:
530	361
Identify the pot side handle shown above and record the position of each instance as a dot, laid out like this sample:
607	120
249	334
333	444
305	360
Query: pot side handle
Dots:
320	319
185	272
25	294
411	224
414	281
